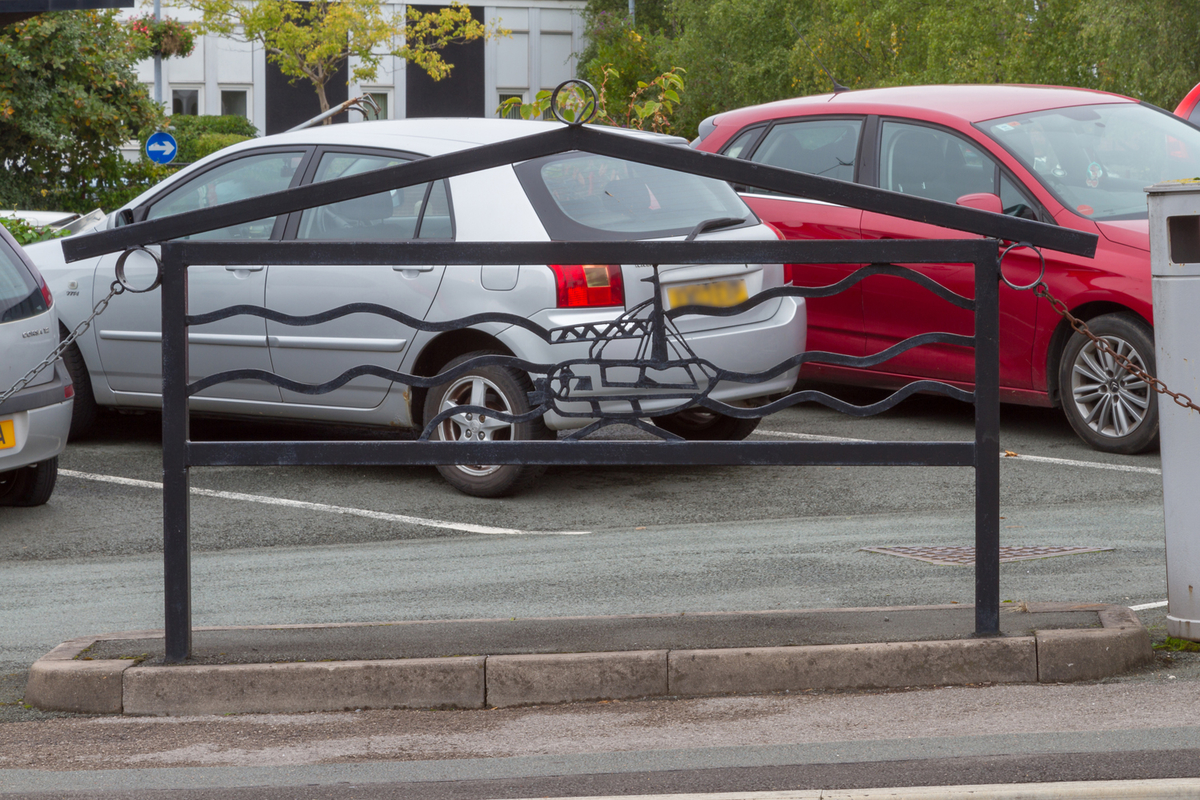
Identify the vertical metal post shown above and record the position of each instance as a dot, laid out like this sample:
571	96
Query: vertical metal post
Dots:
177	546
987	446
158	92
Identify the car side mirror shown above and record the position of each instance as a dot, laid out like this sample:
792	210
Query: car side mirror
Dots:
984	201
124	217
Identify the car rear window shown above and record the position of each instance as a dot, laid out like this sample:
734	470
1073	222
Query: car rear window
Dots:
584	196
20	296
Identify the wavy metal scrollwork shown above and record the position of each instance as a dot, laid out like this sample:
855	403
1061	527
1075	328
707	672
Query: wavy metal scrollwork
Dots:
663	366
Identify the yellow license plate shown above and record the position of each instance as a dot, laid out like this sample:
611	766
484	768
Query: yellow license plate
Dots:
717	294
8	437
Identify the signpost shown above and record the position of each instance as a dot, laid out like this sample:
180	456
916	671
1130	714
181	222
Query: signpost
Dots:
161	148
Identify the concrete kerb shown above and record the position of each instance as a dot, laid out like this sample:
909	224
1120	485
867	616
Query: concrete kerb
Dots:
62	681
1162	789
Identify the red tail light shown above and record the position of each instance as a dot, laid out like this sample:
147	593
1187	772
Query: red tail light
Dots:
45	289
589	285
788	269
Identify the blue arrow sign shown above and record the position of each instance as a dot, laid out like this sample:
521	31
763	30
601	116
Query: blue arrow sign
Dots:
161	147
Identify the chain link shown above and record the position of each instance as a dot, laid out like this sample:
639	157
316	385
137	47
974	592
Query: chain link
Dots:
115	289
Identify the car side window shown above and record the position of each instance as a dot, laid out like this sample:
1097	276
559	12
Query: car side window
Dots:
436	222
240	179
931	163
826	147
1014	201
393	215
737	148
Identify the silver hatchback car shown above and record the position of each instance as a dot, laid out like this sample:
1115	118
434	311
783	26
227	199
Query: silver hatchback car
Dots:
573	196
34	420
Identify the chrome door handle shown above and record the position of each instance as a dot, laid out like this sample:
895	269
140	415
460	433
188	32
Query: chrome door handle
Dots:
244	269
417	268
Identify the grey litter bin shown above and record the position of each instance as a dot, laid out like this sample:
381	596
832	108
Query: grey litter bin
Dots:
1175	278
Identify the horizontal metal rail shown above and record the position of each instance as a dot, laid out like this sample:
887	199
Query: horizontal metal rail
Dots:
417	252
589	453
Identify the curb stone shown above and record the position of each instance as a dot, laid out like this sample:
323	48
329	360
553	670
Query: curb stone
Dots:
62	681
1163	789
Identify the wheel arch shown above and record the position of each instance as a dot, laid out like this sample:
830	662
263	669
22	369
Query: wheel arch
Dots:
438	352
1063	330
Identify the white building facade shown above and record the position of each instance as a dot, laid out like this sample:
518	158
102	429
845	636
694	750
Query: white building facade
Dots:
225	76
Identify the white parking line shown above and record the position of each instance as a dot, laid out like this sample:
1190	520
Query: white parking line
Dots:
353	512
1066	462
1148	606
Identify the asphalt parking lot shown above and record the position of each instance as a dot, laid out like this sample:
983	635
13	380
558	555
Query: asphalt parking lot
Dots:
334	544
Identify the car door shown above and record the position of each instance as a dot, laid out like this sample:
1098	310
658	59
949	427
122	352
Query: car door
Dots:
937	164
826	146
129	332
316	354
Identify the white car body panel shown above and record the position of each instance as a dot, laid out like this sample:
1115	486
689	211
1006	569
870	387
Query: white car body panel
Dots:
123	350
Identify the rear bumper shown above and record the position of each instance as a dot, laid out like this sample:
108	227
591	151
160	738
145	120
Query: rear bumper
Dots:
41	420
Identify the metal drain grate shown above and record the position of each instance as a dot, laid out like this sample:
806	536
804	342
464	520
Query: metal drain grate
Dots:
965	556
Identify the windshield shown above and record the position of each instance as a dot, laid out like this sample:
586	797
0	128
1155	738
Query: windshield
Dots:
1097	160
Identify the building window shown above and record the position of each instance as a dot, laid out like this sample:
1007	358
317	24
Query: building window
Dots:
233	102
381	100
185	101
513	112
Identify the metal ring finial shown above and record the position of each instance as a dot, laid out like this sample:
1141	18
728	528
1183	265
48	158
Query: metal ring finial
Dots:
590	108
1037	280
121	270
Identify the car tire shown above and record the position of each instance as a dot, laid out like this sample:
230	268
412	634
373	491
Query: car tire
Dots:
1110	408
83	411
702	425
501	389
29	486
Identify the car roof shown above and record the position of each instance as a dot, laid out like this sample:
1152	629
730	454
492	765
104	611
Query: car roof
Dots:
965	102
430	136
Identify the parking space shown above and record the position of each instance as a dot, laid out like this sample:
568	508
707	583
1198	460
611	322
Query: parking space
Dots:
110	488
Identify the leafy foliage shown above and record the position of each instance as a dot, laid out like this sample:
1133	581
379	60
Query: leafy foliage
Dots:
649	107
313	40
160	37
738	53
68	99
199	136
25	233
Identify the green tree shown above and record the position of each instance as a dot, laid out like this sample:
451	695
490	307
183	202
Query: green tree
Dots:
622	59
735	54
69	98
312	41
1149	49
738	53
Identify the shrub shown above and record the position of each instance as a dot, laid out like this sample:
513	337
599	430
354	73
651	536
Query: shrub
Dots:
200	136
26	233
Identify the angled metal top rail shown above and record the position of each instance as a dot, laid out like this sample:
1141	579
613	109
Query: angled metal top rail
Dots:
600	142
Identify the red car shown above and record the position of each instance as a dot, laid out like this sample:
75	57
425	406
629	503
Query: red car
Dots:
1187	107
1071	157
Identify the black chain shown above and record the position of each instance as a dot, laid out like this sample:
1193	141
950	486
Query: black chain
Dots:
1041	290
114	290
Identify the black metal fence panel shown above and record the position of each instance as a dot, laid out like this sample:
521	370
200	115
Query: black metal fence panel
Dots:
652	323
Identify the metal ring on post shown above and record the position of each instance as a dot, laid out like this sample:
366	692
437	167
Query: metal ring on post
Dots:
1036	281
590	104
121	270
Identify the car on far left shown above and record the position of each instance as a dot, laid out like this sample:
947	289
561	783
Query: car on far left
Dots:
35	419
